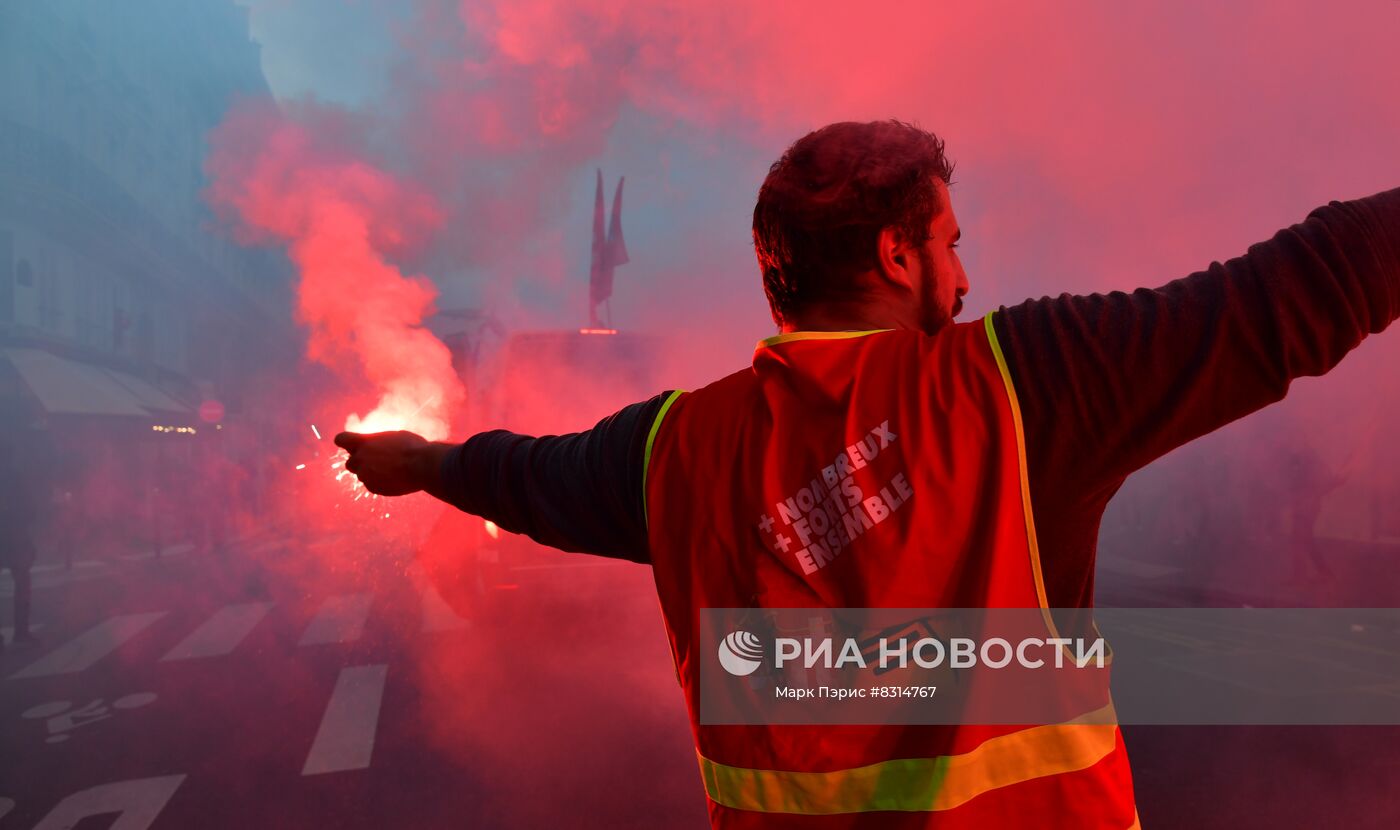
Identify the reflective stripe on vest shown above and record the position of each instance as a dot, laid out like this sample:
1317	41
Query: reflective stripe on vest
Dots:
651	439
918	784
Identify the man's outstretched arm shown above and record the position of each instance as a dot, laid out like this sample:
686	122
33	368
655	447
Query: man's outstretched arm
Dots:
1110	382
1124	378
579	492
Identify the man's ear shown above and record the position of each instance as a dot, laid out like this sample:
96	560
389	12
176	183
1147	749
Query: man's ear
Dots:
892	255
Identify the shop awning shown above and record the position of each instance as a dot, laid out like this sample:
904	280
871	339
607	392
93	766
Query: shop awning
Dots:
148	396
69	387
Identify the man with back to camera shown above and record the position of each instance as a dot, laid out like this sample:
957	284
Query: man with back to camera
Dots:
1051	404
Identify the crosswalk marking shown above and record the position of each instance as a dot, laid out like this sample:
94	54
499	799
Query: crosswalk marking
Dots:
221	633
437	614
1134	568
345	739
89	647
138	803
340	620
9	633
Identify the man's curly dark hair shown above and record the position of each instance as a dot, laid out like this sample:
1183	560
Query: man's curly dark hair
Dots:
822	207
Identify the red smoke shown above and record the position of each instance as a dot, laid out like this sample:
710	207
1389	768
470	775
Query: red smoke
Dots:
342	218
1110	149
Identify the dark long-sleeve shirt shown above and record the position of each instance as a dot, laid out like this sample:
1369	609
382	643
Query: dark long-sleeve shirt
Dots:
1107	383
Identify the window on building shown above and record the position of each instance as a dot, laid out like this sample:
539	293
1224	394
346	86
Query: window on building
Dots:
144	339
49	311
7	280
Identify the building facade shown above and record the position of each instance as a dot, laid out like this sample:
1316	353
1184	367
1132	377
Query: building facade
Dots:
108	253
140	347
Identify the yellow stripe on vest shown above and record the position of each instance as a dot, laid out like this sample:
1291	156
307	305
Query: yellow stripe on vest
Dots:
651	439
1036	572
919	784
789	337
1021	459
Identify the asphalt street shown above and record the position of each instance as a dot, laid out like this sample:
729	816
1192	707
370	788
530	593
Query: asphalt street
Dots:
222	690
192	692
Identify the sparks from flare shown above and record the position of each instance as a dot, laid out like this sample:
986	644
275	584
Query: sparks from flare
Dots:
381	419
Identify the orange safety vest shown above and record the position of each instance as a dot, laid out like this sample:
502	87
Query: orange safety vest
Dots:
929	427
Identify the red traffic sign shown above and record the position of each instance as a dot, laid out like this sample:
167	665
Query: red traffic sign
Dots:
211	412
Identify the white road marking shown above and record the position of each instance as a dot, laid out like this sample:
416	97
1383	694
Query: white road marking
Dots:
340	620
9	633
221	633
437	614
345	740
1134	568
89	647
139	802
169	550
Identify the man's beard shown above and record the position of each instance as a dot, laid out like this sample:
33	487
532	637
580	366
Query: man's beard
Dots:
934	316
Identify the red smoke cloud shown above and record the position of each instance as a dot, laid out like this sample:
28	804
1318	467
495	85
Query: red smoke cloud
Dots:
1110	149
342	219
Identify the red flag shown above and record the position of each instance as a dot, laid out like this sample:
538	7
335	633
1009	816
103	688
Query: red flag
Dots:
617	249
609	251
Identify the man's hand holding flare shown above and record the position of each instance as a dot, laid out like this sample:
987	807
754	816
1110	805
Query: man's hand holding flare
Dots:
393	463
